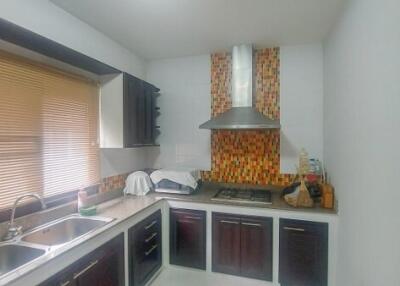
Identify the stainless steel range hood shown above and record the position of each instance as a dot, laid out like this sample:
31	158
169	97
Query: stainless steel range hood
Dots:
242	115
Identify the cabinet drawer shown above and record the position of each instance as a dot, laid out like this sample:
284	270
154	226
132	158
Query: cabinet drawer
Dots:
150	224
148	262
145	249
147	234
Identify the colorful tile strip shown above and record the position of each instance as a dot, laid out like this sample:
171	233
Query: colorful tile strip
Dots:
250	157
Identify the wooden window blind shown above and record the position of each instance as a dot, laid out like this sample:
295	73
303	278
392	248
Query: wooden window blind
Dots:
48	130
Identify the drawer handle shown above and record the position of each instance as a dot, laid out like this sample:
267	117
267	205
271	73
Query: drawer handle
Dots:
64	283
147	253
151	237
76	275
150	225
251	224
294	229
229	222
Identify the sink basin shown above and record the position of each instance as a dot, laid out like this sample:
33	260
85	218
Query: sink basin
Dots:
63	231
13	256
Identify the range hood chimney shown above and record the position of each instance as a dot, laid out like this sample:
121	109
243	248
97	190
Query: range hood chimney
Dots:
242	115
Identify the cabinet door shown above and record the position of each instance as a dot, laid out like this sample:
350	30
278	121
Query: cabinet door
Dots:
145	249
226	243
256	247
104	267
303	253
188	238
148	114
139	112
134	116
64	278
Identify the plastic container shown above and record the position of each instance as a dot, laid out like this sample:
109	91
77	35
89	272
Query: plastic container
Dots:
88	211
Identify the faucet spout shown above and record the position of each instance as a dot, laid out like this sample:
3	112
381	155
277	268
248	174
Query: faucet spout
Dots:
13	230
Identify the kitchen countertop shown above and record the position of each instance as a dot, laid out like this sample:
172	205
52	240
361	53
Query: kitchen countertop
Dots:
125	207
120	209
208	190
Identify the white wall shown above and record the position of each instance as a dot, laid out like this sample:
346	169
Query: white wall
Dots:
301	103
46	19
120	161
185	103
361	140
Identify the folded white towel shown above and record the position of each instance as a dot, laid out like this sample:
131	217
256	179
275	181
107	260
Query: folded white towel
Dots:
138	183
187	177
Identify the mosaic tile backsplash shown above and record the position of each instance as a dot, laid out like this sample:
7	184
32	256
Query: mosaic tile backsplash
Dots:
252	156
113	183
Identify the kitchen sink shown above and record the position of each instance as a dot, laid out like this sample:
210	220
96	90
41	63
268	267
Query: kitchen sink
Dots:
13	256
64	230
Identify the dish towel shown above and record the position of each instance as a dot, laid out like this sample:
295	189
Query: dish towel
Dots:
138	183
186	177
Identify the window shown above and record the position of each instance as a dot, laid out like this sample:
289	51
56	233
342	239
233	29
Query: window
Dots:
48	130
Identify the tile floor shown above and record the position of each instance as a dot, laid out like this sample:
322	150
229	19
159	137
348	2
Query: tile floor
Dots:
172	276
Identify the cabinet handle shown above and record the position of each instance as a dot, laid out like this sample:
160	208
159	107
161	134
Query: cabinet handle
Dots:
294	229
251	224
174	211
76	275
150	225
151	237
229	222
193	217
147	253
64	283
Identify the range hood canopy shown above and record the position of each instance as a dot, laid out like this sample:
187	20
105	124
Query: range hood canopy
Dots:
242	115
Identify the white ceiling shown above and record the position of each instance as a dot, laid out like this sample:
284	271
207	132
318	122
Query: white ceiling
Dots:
155	29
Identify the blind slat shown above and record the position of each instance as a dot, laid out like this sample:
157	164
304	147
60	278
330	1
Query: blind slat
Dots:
48	130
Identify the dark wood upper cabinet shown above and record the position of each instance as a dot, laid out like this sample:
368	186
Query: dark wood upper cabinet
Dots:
140	112
145	249
188	238
242	245
303	253
102	267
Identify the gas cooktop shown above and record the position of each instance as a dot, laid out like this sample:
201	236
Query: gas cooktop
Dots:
251	196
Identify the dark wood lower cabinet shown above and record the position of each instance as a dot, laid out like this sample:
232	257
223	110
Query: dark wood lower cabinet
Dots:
303	253
256	248
145	249
102	267
101	271
226	244
242	245
188	238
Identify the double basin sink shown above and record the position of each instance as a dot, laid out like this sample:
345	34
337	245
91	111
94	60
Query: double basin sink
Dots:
44	239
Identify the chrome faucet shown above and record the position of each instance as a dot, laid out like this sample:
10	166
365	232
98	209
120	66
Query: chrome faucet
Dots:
14	230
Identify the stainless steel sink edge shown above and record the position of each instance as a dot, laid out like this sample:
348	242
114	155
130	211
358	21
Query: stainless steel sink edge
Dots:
50	223
54	222
27	264
49	249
